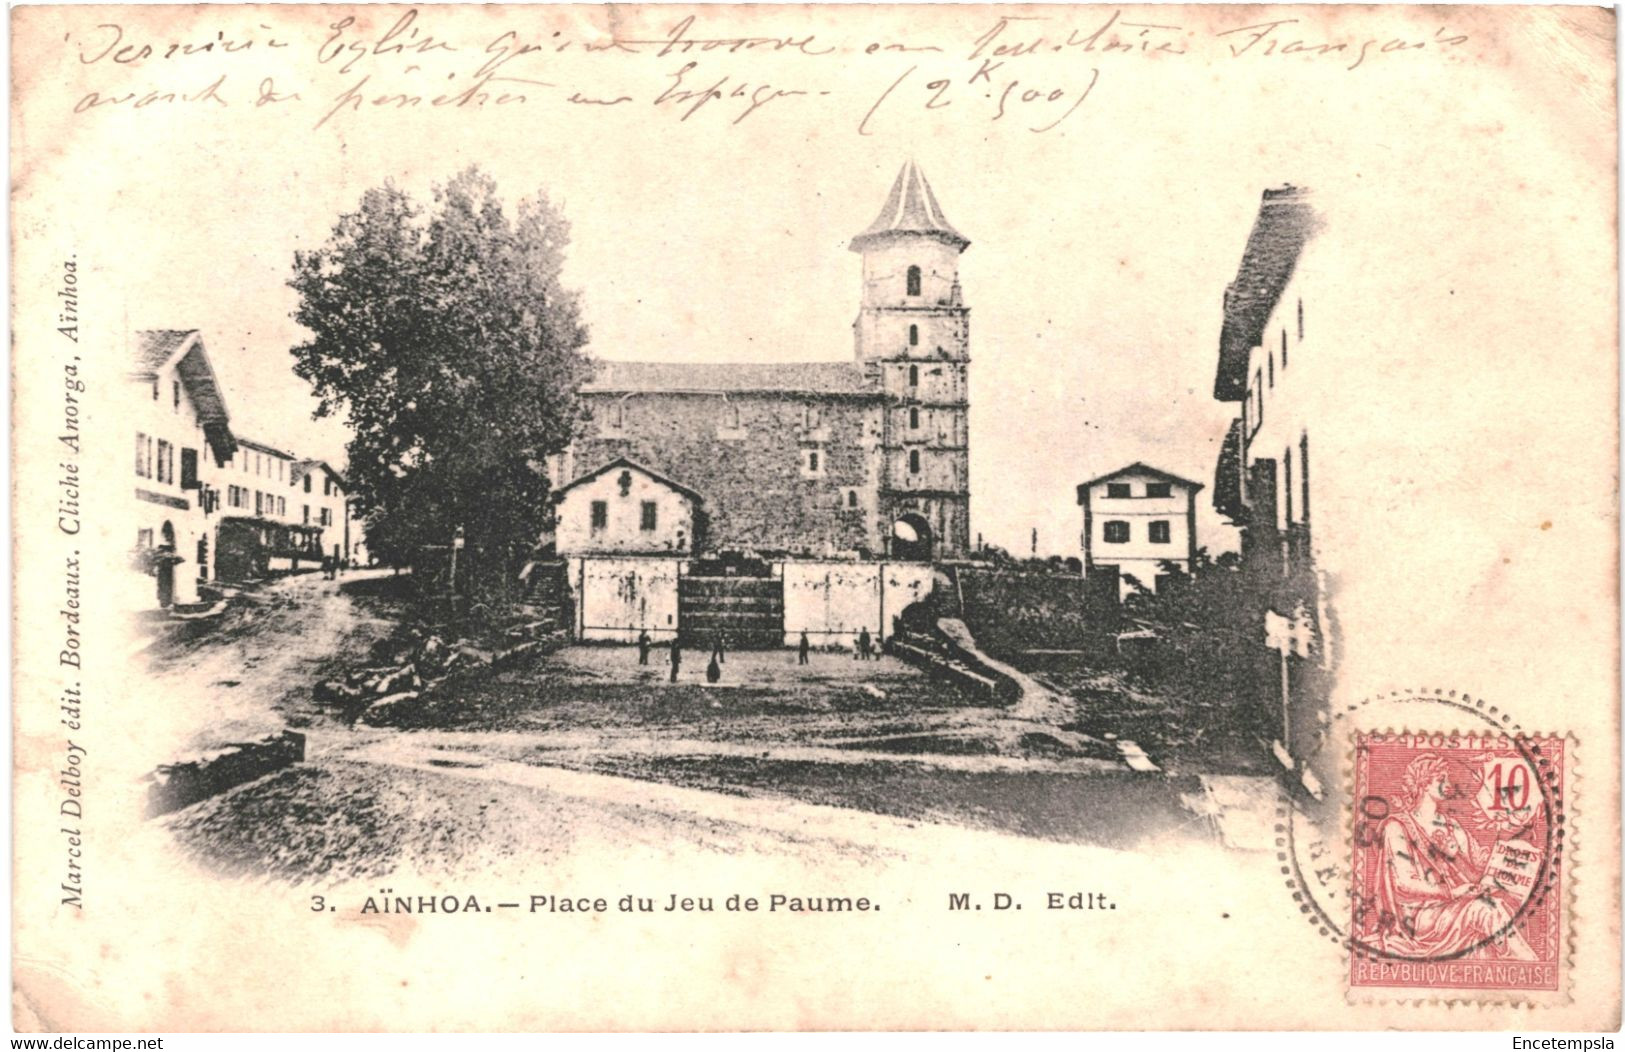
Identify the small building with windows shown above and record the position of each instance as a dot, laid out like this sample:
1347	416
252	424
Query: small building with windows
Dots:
260	531
181	432
1139	519
258	480
625	508
321	499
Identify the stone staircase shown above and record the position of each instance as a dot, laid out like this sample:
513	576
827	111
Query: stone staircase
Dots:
547	605
747	612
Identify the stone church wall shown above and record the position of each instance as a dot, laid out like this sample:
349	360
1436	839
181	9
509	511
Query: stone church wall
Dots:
748	457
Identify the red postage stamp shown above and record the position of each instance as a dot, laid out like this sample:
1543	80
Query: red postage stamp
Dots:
1458	863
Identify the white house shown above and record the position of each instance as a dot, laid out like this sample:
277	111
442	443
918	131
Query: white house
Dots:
1283	387
322	500
259	481
1139	518
625	508
179	422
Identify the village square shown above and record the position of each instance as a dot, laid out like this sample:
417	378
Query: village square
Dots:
753	594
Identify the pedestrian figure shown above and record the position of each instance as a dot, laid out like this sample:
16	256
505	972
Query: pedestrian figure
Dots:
865	644
716	649
676	659
801	648
643	647
713	671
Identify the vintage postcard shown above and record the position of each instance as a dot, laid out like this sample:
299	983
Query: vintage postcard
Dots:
815	517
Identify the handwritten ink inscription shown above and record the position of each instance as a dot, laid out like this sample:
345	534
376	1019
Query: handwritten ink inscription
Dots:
1031	72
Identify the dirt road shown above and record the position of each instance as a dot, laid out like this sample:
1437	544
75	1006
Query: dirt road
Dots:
252	673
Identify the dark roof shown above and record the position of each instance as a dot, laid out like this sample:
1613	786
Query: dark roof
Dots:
623	462
911	208
822	378
305	467
155	348
1286	221
261	447
1138	468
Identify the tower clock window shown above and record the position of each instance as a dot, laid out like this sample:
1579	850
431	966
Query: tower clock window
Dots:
913	281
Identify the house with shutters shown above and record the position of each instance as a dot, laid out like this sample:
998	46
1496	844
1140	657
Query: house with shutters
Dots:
321	498
182	437
1140	520
260	531
626	508
1269	369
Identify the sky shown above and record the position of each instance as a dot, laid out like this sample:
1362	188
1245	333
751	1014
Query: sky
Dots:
1100	249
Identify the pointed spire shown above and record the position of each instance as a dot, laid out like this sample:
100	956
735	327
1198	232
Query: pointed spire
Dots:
911	208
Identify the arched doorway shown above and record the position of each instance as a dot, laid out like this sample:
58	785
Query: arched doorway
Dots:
911	538
166	565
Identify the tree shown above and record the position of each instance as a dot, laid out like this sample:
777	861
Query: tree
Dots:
446	337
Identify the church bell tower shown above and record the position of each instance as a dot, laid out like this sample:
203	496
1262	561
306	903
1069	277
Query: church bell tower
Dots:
913	329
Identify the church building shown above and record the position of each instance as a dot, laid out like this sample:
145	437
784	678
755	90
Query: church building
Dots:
860	458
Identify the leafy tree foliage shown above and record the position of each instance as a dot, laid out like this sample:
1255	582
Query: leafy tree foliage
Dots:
445	335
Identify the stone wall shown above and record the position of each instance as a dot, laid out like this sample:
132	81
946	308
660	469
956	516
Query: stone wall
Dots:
748	457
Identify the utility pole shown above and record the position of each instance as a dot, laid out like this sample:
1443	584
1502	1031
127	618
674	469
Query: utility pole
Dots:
456	546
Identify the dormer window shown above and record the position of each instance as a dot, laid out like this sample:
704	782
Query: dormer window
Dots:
913	281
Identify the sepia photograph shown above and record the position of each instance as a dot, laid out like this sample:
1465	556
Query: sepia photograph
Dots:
786	518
